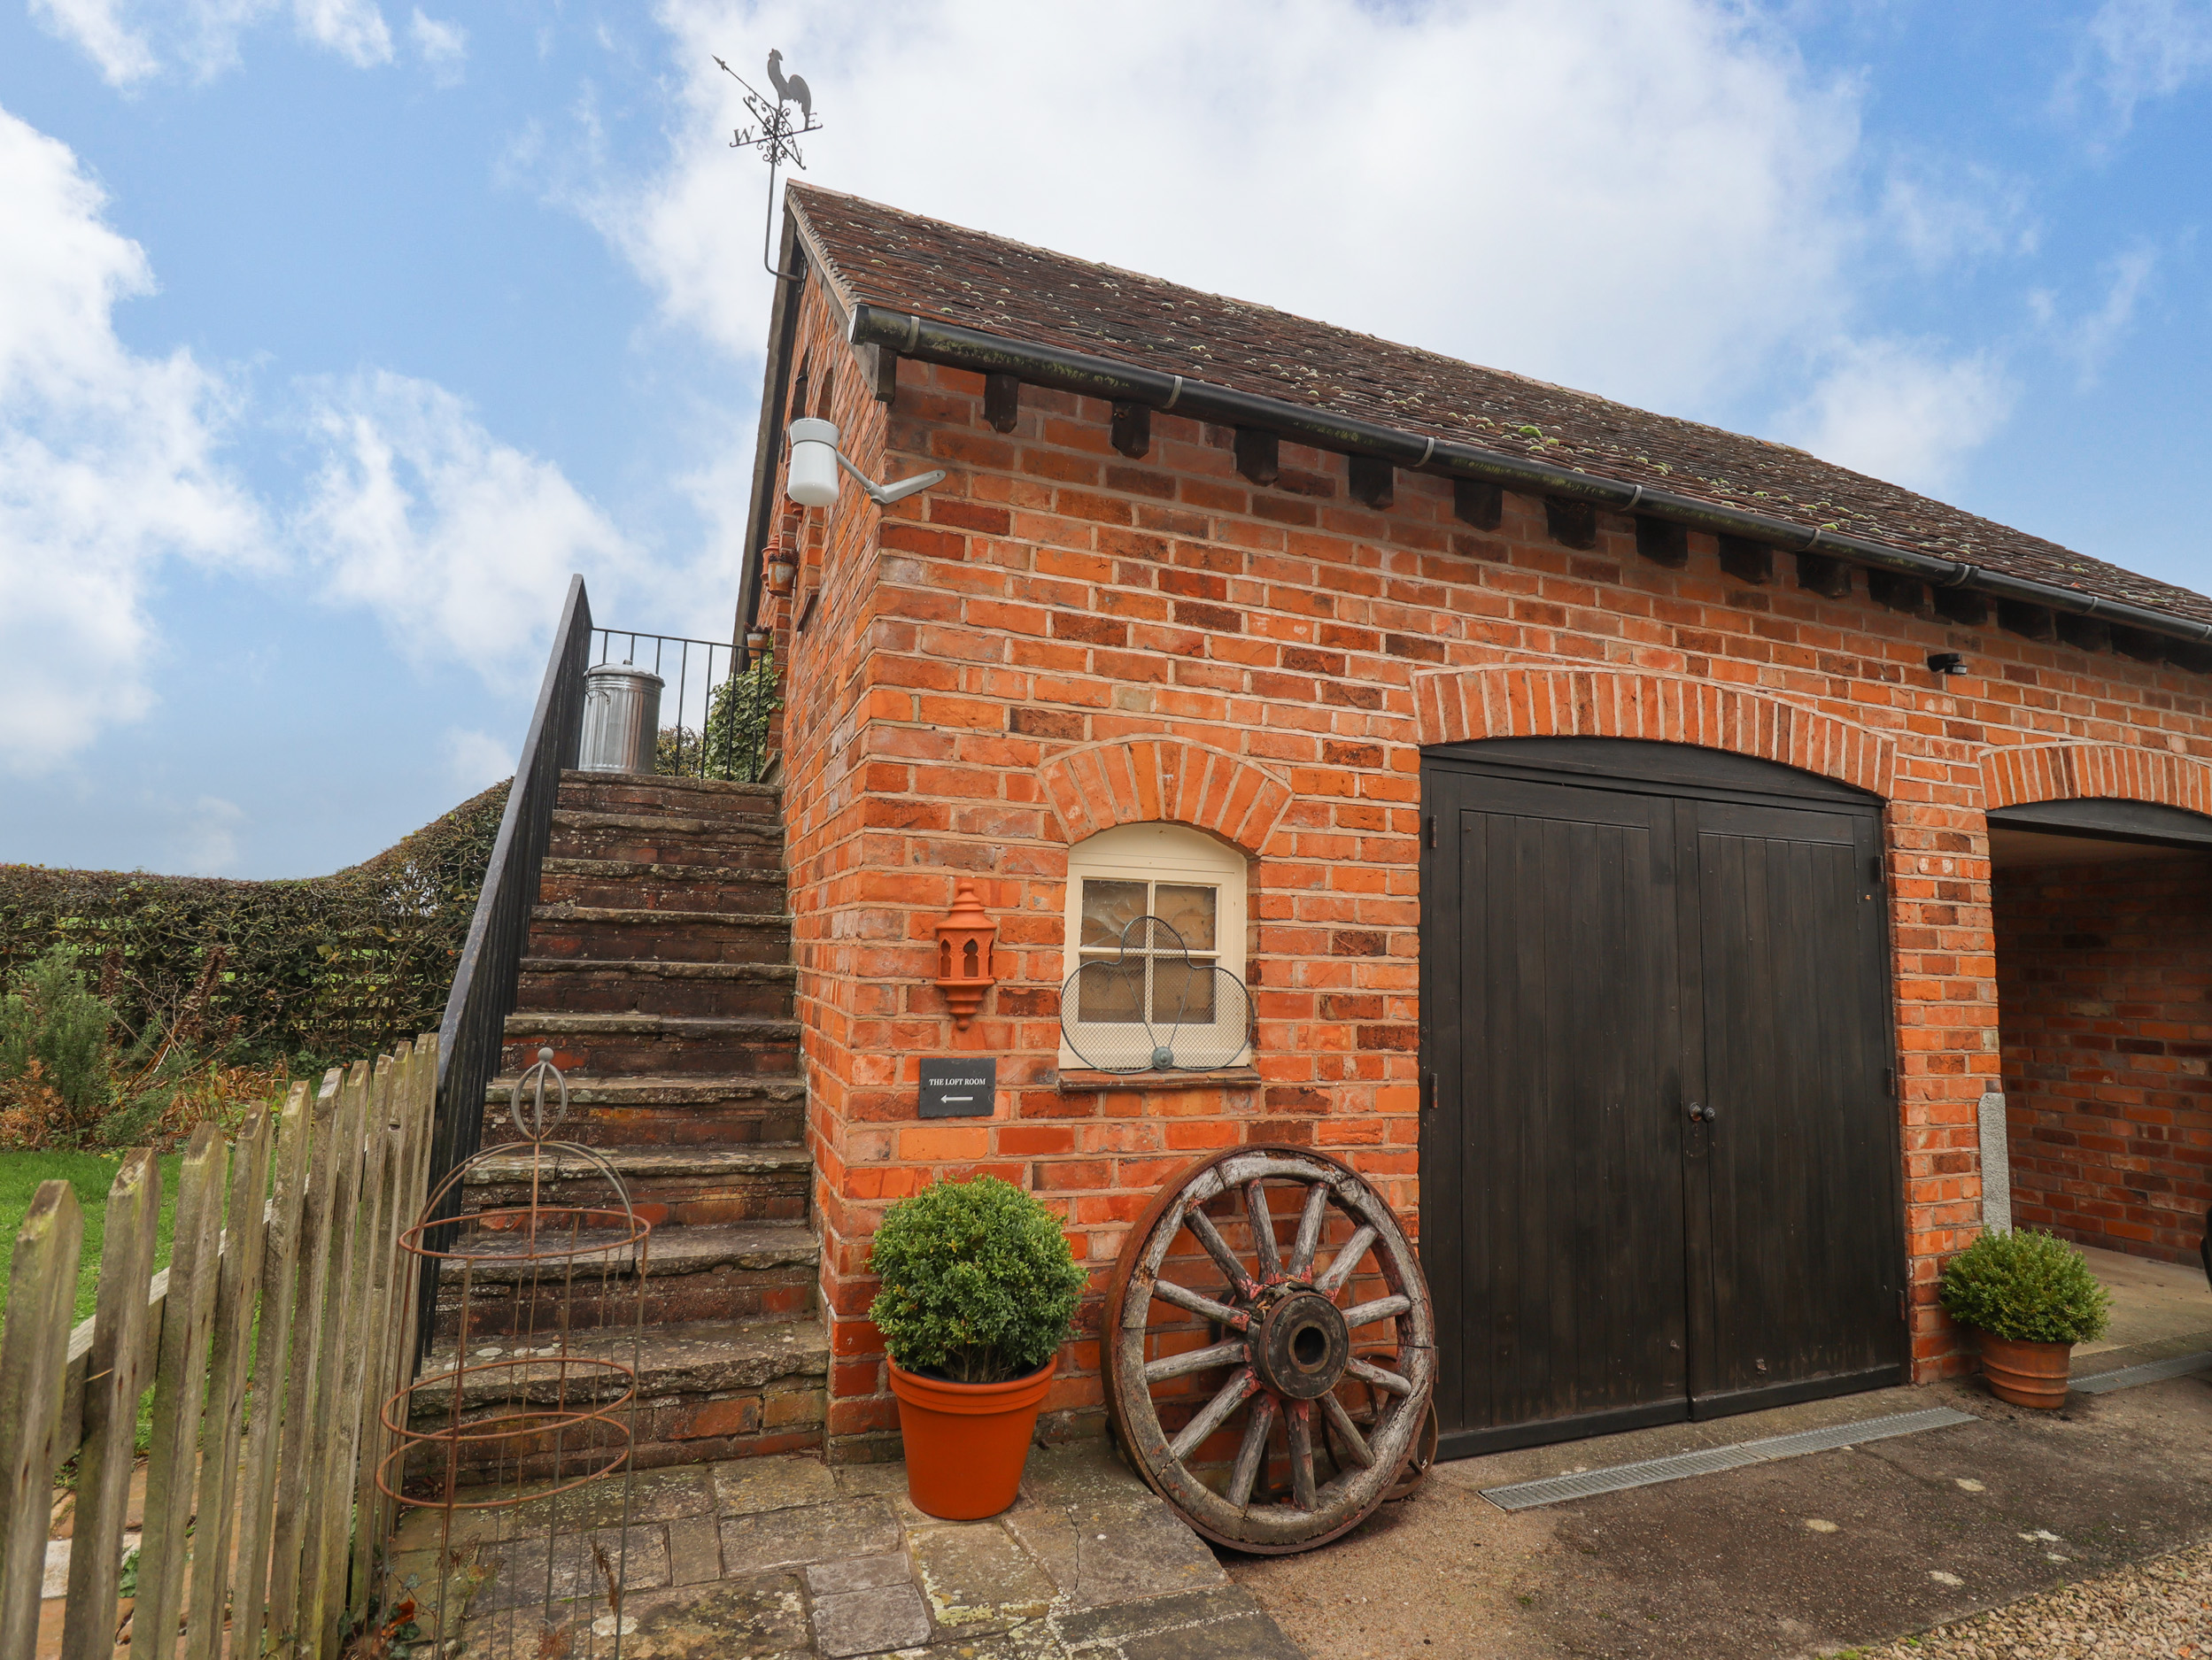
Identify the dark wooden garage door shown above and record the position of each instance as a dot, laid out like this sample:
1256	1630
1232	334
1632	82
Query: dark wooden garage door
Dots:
1660	1165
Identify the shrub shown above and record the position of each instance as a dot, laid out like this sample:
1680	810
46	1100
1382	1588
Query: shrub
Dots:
54	1037
978	1283
2028	1286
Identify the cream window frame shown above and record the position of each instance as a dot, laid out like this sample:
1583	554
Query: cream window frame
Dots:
1156	852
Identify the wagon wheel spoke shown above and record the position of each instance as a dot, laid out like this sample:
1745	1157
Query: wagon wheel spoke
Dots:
1283	1336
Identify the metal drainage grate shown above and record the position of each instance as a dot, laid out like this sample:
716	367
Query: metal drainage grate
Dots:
2150	1372
1527	1496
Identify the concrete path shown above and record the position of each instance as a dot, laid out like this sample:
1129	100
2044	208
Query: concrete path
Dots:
1808	1556
782	1558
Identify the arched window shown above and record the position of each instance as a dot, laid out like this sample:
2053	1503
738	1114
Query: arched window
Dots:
1186	878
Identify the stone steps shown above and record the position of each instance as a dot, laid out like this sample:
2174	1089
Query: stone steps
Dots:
668	1113
714	1273
705	1391
624	1045
595	985
642	934
639	886
671	1187
658	972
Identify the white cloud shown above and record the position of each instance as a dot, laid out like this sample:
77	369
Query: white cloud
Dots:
2088	342
444	47
2134	50
1645	197
1901	410
129	39
1946	213
461	545
476	761
110	462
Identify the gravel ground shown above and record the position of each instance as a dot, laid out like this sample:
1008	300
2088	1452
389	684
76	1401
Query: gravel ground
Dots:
2161	1607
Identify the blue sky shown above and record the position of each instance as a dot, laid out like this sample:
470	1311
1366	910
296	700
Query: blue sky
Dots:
333	334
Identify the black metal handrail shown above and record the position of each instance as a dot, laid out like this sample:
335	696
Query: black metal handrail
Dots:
716	725
474	1030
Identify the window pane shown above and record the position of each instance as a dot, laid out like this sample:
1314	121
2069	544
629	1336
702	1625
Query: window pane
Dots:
1109	992
1189	911
1182	993
1107	908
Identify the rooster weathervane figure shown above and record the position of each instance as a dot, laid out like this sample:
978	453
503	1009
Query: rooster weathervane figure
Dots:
774	136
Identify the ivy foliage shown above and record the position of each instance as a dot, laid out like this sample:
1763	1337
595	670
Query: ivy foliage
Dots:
978	1283
313	971
2029	1286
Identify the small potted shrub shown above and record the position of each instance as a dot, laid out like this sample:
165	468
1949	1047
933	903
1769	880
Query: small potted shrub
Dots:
2032	1298
978	1291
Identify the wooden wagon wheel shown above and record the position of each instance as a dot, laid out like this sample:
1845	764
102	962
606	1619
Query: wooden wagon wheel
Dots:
1292	1286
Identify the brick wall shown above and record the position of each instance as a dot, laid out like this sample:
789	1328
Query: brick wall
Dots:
1059	637
2103	974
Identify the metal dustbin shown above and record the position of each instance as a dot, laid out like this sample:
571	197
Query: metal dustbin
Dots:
622	719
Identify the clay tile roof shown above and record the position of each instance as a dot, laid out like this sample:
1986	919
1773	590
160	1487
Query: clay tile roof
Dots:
882	256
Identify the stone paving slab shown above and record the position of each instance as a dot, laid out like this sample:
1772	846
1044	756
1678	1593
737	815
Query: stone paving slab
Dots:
782	1558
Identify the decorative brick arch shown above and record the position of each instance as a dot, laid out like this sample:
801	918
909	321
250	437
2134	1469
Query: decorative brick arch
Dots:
1144	780
2061	772
1469	704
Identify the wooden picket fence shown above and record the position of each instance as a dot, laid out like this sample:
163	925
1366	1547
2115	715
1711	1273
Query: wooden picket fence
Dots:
270	1343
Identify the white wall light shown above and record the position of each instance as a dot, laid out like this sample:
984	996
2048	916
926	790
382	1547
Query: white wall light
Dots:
815	458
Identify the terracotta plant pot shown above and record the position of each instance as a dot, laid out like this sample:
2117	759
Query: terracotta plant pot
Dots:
2027	1374
966	1443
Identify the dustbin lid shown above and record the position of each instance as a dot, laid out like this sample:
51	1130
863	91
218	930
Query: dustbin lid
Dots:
623	671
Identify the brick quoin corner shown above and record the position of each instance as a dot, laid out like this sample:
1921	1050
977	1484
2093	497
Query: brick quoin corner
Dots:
1059	639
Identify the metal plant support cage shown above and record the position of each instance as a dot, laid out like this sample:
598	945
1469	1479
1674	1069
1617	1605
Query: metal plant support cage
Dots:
1152	1008
512	1449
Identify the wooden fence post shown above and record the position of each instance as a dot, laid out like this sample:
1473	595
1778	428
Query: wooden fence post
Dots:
414	1140
245	1226
34	1357
387	1155
116	1373
180	1387
339	1300
280	1271
293	1494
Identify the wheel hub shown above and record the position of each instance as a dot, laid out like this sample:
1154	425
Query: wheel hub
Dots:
1301	1346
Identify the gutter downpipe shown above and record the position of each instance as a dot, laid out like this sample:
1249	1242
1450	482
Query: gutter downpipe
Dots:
957	347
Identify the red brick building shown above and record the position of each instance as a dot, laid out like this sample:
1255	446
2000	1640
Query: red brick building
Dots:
1581	792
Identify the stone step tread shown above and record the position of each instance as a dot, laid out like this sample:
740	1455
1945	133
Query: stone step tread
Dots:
564	913
673	781
754	973
752	827
553	1020
625	869
763	1158
676	1248
693	1357
651	1089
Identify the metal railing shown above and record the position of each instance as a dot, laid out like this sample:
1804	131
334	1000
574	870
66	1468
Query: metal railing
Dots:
714	715
474	1030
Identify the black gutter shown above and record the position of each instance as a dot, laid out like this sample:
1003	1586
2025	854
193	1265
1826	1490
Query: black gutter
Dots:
956	347
783	328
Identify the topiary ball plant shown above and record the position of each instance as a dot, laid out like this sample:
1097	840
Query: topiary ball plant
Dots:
2028	1286
978	1283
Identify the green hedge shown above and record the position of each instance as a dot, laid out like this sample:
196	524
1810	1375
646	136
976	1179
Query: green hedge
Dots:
314	971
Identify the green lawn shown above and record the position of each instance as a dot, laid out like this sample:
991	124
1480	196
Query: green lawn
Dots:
91	1173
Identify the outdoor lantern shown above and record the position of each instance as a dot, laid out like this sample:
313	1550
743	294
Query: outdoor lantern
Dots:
963	955
813	479
815	458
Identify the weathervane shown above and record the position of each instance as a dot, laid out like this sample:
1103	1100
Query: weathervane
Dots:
774	137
